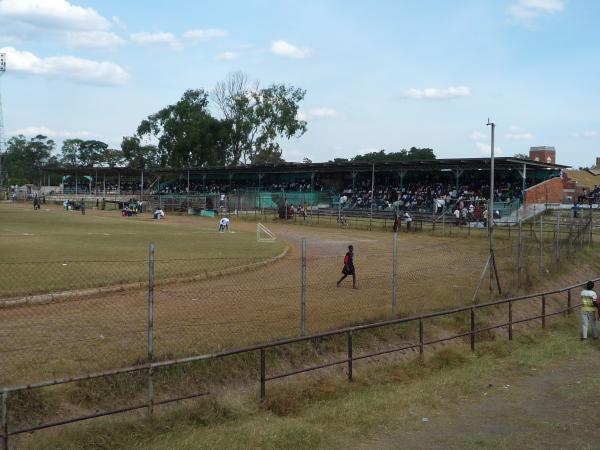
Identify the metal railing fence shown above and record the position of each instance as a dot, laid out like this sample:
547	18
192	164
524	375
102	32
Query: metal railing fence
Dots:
421	320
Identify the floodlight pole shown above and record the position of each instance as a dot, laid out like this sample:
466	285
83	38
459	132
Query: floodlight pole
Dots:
491	199
372	195
491	260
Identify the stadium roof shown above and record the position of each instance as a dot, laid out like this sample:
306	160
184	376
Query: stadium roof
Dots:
290	167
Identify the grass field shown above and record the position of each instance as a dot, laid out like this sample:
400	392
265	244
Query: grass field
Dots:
534	392
53	250
107	330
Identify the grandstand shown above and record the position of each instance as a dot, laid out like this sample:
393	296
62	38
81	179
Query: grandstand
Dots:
312	184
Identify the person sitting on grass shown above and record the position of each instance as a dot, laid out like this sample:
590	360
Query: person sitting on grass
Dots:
589	307
158	213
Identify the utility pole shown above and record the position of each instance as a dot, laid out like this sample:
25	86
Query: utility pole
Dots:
491	260
2	137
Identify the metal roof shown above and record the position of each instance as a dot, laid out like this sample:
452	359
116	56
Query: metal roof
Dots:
502	163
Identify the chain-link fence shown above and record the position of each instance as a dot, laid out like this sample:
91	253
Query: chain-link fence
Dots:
65	317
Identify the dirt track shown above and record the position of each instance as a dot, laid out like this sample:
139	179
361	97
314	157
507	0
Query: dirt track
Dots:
110	330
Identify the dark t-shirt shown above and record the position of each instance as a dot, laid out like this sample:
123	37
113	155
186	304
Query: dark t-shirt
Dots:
349	261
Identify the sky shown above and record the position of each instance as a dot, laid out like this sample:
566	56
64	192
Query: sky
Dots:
377	74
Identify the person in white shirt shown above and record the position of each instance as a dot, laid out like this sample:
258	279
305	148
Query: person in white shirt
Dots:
159	213
588	310
223	225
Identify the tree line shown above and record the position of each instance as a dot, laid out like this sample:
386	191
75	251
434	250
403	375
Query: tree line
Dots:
238	122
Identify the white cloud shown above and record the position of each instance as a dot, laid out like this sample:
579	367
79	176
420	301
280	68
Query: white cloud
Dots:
53	13
93	39
478	136
42	20
585	134
518	134
285	49
204	35
485	149
34	131
318	113
526	10
227	56
71	67
160	38
437	93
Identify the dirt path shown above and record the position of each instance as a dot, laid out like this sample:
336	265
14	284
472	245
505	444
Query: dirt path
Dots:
555	409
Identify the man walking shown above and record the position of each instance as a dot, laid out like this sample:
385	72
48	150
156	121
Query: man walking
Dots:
588	310
348	267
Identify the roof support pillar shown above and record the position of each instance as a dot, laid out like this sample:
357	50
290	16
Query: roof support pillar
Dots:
401	174
458	173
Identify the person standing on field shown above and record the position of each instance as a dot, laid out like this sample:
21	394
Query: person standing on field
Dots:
348	267
588	310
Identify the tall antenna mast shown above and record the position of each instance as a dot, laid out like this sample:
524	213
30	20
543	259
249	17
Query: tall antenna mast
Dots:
2	136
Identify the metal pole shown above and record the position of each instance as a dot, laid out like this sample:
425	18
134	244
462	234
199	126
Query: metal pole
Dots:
543	311
491	200
4	420
510	321
263	375
591	226
142	187
372	195
350	358
150	326
303	290
558	236
520	253
541	242
472	333
394	272
421	338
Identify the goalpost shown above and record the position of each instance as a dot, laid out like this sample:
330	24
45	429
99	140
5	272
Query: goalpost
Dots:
263	234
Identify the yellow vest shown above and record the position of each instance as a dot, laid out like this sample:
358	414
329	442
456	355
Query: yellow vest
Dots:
587	304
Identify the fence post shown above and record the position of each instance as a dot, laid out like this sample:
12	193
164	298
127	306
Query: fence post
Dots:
303	290
558	237
543	311
4	420
421	339
569	301
394	272
350	356
542	242
263	375
591	229
443	222
150	326
519	253
472	329
510	321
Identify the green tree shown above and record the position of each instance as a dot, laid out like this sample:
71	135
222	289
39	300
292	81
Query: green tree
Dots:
413	154
112	157
24	159
91	153
136	155
69	152
258	118
270	155
187	134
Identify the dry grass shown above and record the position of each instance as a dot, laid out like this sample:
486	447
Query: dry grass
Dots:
104	331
